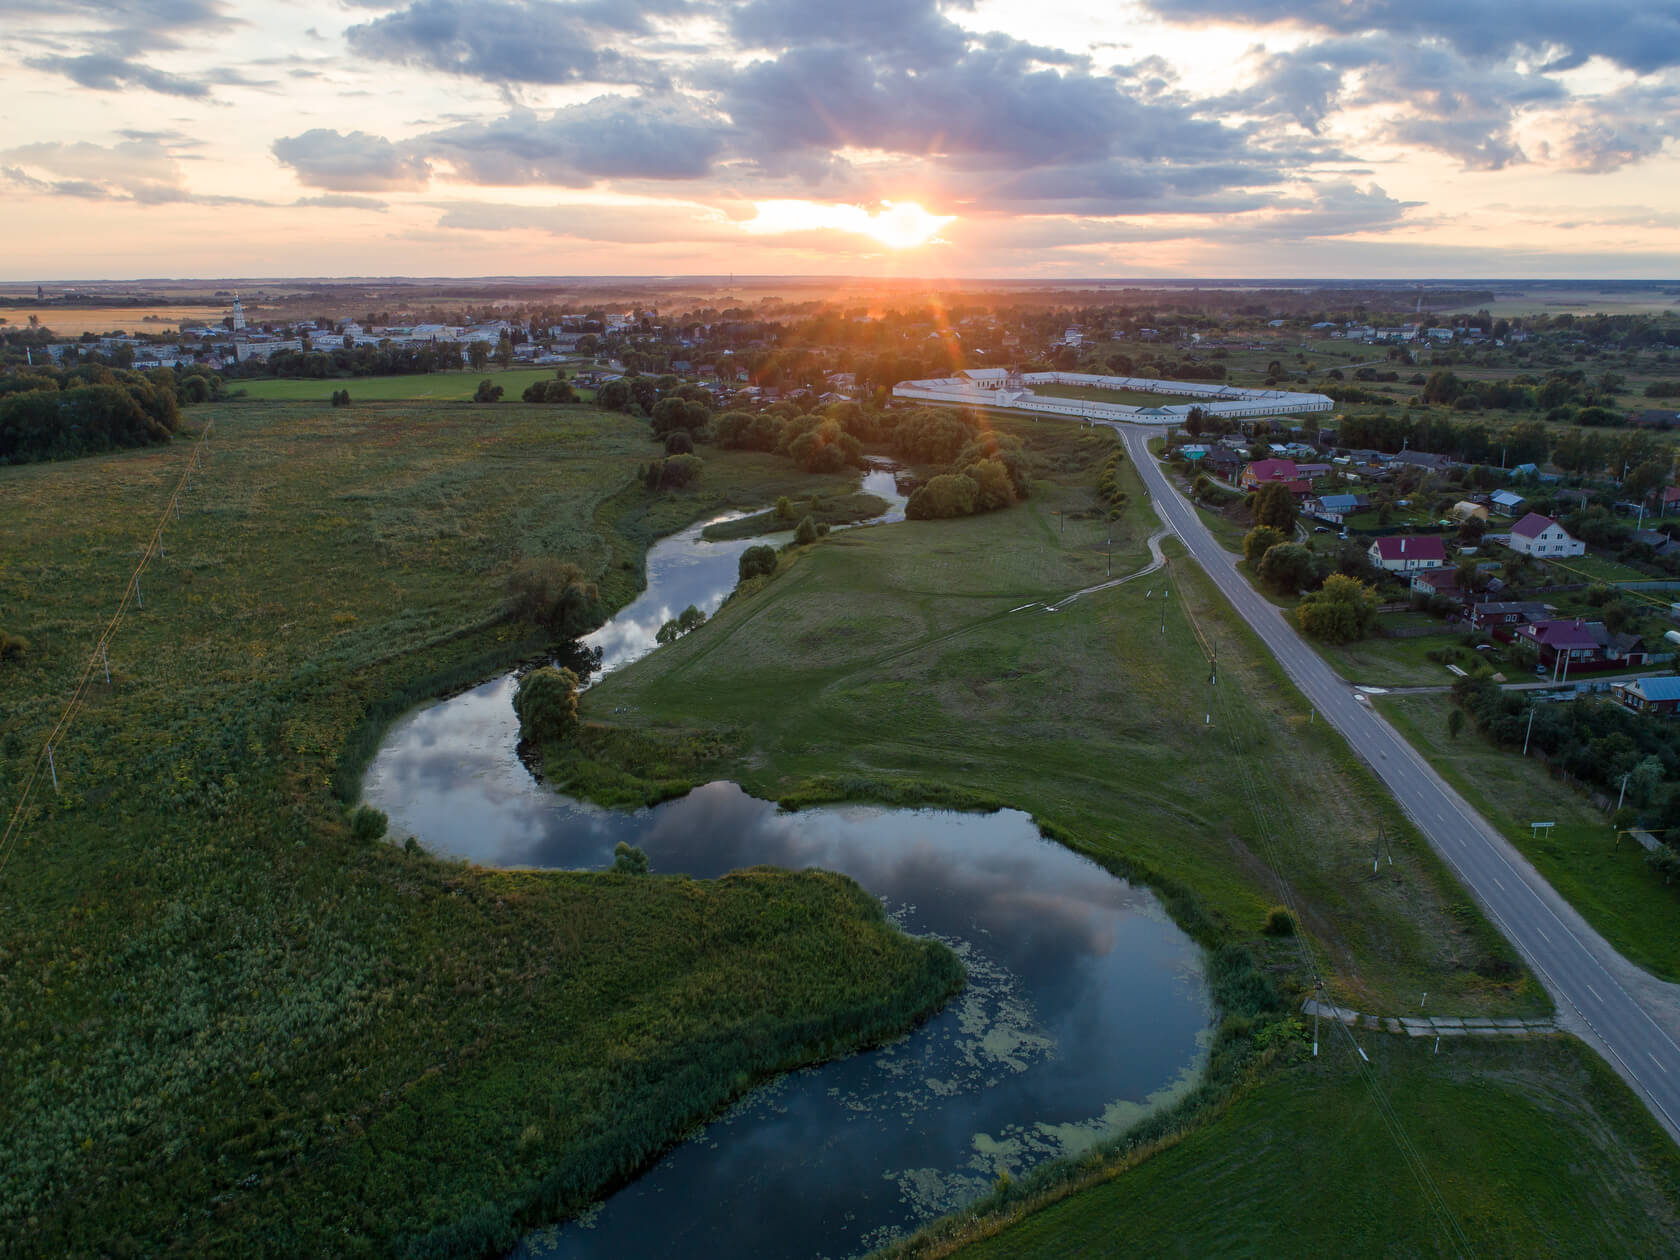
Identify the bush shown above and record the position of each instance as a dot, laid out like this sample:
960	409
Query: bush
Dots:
758	561
629	860
1257	542
367	824
944	496
1279	922
1342	611
678	442
680	470
488	392
806	534
12	647
546	703
556	596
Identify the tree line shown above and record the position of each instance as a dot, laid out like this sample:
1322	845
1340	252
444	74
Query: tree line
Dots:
52	413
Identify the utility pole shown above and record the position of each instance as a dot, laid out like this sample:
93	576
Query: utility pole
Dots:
1530	730
1622	795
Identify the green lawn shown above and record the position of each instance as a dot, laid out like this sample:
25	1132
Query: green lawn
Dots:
419	387
1608	883
1120	397
1537	1149
1597	568
226	1026
1380	662
899	668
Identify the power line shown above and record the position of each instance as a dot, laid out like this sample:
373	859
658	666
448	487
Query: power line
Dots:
98	659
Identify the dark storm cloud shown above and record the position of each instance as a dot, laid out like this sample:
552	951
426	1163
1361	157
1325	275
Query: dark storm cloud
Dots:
504	41
357	162
606	138
1637	34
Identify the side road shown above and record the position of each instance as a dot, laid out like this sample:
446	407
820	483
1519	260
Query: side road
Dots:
1630	1017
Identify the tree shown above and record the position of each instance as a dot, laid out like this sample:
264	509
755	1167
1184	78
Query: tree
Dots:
947	495
1455	722
546	703
1274	505
806	534
556	596
1287	567
478	354
1257	542
1341	611
757	561
613	396
629	860
504	351
488	392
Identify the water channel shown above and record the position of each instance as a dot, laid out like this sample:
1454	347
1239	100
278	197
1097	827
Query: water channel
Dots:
1085	1007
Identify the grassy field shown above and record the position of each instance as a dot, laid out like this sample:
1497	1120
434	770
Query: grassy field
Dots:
226	1025
902	670
1536	1148
1608	883
1120	397
1596	569
1401	662
419	387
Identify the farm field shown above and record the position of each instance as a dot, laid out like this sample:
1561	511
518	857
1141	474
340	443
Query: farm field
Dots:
215	993
419	387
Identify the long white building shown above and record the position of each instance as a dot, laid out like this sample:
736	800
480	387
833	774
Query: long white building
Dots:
994	387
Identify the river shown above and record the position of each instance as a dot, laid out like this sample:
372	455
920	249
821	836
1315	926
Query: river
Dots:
1086	1006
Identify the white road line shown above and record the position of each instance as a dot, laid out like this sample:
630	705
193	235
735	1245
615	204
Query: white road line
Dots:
1591	990
1657	1061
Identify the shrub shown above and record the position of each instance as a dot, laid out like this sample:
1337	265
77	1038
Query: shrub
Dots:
678	442
367	824
555	595
784	508
806	534
1279	922
487	392
1258	542
629	860
680	470
758	561
12	647
546	703
944	496
1343	610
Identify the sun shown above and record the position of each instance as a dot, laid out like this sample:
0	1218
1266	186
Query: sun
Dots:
894	224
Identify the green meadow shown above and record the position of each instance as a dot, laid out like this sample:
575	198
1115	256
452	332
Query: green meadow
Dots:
417	387
227	1024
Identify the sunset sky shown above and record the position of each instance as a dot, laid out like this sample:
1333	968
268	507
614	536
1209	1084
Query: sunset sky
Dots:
884	137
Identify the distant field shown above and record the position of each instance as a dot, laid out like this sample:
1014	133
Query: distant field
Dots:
70	322
1548	301
434	386
1123	397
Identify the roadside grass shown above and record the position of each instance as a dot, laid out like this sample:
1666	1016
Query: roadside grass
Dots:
1381	662
227	1026
902	657
416	387
1607	881
1536	1146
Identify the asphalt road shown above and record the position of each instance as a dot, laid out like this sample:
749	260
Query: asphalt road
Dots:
1627	1015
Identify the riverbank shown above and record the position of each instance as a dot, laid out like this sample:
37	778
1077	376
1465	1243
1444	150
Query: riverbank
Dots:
226	1023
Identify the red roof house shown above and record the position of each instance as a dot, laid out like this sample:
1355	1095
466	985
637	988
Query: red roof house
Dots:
1263	470
1405	552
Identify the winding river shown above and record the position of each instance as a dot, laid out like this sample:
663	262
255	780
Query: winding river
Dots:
1086	1006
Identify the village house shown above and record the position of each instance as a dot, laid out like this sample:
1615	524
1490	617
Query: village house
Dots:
1581	645
1405	552
1541	536
1507	502
1650	695
1465	510
1442	581
1336	508
1503	614
1263	470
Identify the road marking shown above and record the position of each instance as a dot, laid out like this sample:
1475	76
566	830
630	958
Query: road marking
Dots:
1501	886
1592	991
1657	1061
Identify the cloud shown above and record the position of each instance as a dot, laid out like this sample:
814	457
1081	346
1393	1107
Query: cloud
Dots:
354	162
615	224
609	137
107	72
1620	128
501	41
340	201
141	171
1635	34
